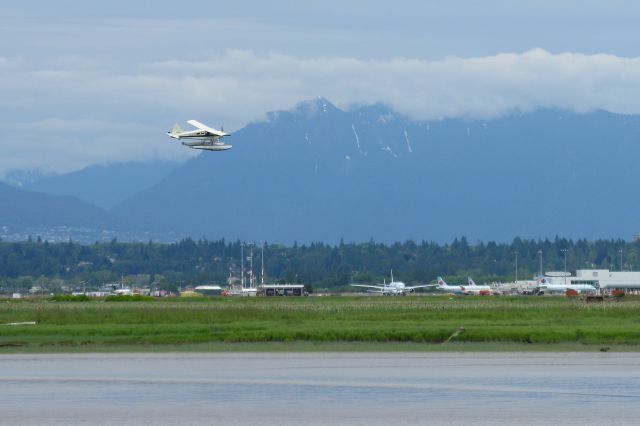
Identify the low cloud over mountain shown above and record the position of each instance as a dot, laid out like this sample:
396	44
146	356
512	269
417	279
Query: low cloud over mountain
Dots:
76	113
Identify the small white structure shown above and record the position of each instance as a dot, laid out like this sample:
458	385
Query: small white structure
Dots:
244	292
209	289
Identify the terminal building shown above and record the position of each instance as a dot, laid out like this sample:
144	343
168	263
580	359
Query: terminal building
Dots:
602	279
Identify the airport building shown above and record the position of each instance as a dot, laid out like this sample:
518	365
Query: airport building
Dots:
281	290
603	279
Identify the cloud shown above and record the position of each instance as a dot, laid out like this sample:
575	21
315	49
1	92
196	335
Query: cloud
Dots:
452	87
62	145
77	111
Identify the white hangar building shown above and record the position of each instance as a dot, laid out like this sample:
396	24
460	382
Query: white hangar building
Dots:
599	278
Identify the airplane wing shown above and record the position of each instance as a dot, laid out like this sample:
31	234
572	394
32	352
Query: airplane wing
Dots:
420	286
199	125
377	287
208	287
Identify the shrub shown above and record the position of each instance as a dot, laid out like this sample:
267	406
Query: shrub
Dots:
128	298
70	298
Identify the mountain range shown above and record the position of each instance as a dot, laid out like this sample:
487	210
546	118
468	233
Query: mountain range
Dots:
23	209
319	173
103	185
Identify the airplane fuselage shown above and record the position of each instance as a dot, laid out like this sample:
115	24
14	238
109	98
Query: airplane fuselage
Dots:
394	289
463	289
475	289
455	289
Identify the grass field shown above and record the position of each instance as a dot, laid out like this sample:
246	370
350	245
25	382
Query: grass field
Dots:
319	323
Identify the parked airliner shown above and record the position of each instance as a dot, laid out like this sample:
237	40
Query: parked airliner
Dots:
470	288
473	288
394	288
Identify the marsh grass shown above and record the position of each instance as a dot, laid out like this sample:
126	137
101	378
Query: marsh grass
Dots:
390	321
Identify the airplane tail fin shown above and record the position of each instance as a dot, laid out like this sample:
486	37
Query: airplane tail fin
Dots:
441	282
176	130
471	282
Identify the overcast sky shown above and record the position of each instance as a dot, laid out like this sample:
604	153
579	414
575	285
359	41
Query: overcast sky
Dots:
93	82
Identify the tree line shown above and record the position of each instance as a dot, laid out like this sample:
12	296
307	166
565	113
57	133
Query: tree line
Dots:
319	265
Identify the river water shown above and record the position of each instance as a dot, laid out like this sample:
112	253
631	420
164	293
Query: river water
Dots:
321	388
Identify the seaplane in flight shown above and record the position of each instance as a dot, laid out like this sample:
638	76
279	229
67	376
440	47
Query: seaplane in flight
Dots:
203	137
394	288
470	289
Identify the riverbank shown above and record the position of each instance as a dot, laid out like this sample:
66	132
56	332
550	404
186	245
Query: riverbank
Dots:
324	347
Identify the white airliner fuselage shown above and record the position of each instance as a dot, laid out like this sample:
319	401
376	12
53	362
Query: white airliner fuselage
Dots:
443	286
471	288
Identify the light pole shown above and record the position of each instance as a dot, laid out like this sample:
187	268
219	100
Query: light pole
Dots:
620	251
242	264
251	267
540	254
565	265
262	263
